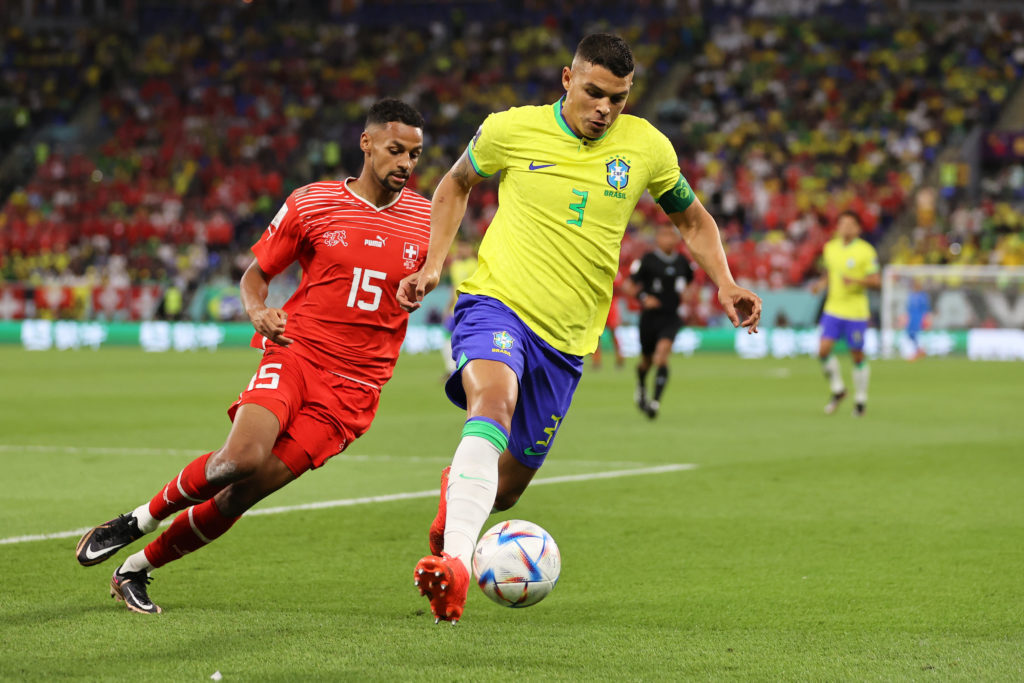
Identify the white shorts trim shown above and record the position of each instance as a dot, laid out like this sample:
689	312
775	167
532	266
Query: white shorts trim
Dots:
357	381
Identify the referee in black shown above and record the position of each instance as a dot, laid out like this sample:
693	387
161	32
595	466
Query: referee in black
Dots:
658	281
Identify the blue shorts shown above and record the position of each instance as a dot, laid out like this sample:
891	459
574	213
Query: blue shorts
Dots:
487	329
852	331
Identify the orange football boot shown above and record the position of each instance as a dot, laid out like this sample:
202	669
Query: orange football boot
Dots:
445	582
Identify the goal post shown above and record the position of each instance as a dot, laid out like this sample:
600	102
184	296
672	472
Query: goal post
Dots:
978	307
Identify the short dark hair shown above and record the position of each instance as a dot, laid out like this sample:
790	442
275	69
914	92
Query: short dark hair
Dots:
607	50
854	215
389	109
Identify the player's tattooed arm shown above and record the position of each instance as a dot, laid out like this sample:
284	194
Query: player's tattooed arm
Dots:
447	209
463	174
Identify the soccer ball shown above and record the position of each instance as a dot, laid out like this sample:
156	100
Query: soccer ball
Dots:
516	563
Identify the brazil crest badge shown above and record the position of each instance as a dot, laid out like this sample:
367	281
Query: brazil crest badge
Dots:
618	173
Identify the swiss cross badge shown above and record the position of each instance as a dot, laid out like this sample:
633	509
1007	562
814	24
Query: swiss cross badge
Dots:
411	254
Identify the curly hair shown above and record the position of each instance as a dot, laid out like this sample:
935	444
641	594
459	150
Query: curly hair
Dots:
389	109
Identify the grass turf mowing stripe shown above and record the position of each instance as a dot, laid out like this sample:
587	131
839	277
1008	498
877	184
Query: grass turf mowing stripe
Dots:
387	498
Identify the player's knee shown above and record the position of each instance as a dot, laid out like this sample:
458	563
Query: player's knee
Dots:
495	406
491	392
235	461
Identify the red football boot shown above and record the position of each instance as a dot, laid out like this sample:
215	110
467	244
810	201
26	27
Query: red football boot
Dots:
445	582
437	526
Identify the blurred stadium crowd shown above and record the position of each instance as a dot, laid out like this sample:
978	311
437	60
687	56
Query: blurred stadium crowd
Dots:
144	155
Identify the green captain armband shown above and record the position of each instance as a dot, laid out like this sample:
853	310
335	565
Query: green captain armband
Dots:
679	198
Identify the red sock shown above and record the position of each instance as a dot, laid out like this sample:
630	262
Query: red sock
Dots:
188	488
189	531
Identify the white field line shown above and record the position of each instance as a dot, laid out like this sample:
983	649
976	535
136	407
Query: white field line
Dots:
361	457
347	502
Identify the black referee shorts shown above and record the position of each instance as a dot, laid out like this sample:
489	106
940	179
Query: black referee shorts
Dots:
656	325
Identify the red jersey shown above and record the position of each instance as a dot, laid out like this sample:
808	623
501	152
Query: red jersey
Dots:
344	316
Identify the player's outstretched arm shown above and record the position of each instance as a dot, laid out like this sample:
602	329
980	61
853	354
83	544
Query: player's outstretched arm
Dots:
269	322
872	281
447	209
705	242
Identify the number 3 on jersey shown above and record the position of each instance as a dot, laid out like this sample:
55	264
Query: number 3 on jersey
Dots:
362	282
578	207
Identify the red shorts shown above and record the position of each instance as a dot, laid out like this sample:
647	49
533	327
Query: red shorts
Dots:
320	412
614	315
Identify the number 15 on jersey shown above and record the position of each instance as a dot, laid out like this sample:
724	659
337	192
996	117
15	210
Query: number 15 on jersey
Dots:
363	283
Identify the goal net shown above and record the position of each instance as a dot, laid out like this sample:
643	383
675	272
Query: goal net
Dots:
977	310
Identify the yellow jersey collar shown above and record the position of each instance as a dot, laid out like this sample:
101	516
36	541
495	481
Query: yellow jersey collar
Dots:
564	125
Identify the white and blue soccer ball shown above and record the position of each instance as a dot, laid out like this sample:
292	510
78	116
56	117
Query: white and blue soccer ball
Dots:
516	563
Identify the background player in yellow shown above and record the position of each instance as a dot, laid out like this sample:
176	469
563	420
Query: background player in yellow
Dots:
571	175
852	268
462	265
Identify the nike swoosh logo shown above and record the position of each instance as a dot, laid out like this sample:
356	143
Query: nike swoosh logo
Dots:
92	556
530	451
143	605
463	476
535	166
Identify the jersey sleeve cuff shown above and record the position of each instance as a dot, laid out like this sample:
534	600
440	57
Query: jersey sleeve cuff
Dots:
476	166
264	260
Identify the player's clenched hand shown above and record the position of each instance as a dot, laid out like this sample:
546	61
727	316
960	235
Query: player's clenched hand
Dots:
270	323
413	288
737	302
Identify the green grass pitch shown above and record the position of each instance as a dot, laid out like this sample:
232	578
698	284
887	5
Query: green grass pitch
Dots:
801	547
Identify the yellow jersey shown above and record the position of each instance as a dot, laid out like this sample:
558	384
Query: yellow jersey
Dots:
459	271
857	259
552	249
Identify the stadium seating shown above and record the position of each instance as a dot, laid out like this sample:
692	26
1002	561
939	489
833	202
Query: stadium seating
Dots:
783	123
198	127
954	225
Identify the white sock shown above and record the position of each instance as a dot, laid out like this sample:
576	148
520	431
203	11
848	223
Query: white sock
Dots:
861	374
835	377
446	353
137	563
147	523
472	487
